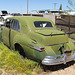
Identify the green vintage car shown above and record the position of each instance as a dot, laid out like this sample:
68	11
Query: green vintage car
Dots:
37	38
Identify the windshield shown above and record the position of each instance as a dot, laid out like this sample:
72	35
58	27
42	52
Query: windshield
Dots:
42	24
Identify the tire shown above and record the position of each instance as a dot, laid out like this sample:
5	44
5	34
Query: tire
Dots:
20	49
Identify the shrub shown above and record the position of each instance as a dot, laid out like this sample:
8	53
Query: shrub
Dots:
11	60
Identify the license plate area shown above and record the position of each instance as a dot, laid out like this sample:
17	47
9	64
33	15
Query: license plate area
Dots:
68	52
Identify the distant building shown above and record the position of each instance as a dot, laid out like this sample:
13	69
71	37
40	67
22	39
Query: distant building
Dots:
71	13
51	11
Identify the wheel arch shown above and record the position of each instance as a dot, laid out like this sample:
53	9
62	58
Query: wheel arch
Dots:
19	48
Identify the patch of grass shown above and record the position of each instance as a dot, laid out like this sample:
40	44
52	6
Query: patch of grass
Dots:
11	60
0	72
73	34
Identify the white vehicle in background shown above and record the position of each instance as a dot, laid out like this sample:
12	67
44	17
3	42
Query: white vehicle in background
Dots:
6	16
3	17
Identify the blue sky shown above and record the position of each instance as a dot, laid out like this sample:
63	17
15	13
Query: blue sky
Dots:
20	6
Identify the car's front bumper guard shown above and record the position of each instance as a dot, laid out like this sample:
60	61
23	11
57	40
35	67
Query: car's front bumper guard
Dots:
58	59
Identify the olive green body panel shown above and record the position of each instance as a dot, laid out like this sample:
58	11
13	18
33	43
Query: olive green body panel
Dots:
30	37
5	35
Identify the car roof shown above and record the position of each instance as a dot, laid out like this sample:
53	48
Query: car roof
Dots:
29	20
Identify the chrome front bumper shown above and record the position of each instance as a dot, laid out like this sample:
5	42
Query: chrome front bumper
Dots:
58	59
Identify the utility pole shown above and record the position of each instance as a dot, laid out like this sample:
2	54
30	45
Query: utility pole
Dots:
27	6
55	6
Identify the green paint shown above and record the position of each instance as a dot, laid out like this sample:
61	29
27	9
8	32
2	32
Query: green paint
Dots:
30	35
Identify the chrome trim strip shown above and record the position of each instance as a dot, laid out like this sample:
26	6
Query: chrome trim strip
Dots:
56	44
36	47
60	59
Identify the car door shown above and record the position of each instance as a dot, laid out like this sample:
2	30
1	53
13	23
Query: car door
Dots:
6	32
15	30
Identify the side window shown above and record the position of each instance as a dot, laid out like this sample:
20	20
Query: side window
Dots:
16	25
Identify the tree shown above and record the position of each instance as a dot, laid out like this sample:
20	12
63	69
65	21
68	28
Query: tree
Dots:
60	7
72	5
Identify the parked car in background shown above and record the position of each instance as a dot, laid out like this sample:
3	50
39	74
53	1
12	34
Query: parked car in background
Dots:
3	18
38	39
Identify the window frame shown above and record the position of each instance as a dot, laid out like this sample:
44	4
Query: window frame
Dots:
12	24
18	27
42	27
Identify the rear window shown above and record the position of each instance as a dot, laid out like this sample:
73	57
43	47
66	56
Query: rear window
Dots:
42	24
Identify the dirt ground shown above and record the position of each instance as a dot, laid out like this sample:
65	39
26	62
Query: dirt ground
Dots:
68	69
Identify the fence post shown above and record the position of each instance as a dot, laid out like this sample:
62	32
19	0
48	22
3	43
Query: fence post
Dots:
55	19
69	26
